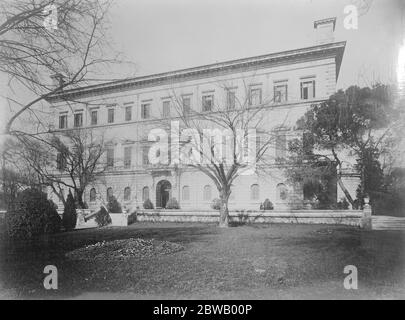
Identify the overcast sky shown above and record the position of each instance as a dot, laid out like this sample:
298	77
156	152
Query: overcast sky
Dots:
163	35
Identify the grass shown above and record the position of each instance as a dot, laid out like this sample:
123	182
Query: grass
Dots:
244	262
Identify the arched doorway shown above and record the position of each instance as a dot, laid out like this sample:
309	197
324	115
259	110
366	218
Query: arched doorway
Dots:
163	193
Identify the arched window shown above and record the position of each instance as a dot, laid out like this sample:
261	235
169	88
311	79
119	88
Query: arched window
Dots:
127	194
93	194
186	193
282	192
207	193
109	193
145	193
254	192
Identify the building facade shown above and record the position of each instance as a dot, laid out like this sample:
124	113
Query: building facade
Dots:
284	83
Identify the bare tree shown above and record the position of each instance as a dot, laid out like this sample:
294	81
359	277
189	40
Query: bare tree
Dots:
224	140
72	159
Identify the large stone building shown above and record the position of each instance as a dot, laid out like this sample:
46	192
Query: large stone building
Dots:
285	83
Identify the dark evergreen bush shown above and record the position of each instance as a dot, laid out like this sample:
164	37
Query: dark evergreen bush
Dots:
69	213
172	204
113	205
33	214
102	217
148	204
343	204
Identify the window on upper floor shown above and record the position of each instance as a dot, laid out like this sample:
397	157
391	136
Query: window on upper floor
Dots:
166	108
307	89
207	102
255	95
280	92
63	121
307	143
128	113
60	161
78	120
145	155
94	117
281	145
111	113
127	157
145	110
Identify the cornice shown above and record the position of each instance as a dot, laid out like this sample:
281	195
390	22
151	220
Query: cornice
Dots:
335	50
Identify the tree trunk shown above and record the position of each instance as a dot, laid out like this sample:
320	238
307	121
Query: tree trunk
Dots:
79	199
345	191
224	212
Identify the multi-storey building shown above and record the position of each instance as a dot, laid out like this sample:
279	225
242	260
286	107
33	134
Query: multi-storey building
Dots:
285	83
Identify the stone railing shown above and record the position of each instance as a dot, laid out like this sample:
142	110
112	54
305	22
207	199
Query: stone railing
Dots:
359	218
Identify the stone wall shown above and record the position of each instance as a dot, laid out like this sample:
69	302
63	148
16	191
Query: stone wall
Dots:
340	217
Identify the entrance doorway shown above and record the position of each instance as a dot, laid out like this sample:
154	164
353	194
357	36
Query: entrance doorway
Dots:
163	193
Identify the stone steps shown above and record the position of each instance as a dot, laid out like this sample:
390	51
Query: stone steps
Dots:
387	223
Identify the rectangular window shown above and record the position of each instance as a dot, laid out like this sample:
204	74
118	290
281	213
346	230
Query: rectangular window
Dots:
127	157
94	119
281	145
78	120
145	155
186	104
110	157
255	96
128	113
145	110
231	100
111	115
207	102
307	143
166	109
280	93
307	89
63	121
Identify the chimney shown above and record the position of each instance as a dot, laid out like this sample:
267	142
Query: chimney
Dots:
58	79
324	30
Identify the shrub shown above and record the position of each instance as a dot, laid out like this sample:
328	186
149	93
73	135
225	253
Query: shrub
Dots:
148	204
216	204
113	205
102	217
172	204
132	217
267	205
343	204
33	214
69	213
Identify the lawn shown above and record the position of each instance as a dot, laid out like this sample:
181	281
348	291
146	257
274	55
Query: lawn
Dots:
244	262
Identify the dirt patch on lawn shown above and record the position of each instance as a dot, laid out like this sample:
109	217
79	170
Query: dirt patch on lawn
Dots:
127	248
